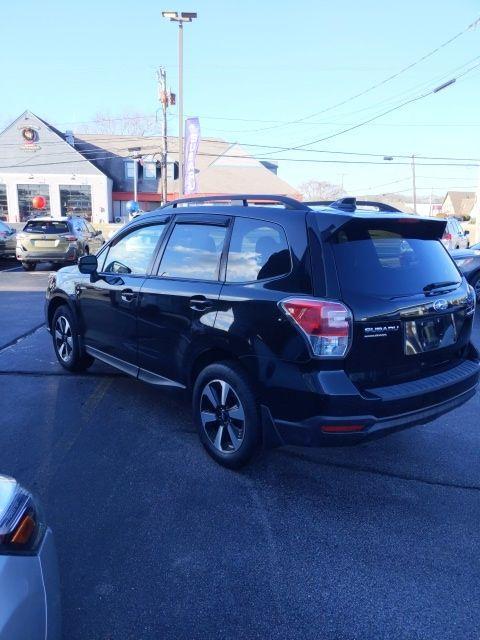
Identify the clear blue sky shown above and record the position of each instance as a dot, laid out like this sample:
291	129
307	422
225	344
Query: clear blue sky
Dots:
260	61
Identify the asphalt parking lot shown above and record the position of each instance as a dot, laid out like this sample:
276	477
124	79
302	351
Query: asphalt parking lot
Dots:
157	541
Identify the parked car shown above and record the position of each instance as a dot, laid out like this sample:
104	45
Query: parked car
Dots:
57	240
468	261
288	325
29	582
454	236
8	241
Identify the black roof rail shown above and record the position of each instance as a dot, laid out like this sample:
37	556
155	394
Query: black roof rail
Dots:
351	204
242	200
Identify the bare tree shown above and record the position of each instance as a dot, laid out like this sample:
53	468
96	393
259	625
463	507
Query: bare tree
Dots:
129	123
321	190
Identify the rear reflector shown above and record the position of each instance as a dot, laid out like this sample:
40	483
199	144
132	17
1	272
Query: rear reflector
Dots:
342	428
326	324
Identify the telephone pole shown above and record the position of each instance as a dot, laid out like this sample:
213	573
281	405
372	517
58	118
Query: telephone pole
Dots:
164	100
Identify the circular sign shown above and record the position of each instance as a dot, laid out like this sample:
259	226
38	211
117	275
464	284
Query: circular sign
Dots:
29	134
39	202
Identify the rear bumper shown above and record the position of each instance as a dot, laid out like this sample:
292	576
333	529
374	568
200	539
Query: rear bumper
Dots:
47	256
345	415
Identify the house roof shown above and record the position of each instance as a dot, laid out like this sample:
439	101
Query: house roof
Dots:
462	202
222	167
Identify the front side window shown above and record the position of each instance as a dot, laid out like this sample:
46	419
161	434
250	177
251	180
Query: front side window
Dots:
26	194
193	251
132	254
258	250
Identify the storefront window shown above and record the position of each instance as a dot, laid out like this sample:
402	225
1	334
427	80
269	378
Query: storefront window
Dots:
76	200
3	202
26	193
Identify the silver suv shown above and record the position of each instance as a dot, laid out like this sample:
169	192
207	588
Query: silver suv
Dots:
56	240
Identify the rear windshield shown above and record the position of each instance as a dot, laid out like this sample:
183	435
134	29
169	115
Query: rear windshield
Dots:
49	226
384	263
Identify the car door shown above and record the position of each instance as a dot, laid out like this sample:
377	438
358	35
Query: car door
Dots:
108	307
94	238
177	306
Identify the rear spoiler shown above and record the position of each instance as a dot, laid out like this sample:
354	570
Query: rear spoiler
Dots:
357	225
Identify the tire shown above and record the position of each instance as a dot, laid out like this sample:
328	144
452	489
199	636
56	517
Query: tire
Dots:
229	429
475	282
29	266
65	341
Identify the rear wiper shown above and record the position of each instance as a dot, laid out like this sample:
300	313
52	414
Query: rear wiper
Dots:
439	285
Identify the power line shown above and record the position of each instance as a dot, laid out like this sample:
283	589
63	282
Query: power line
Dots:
389	78
249	157
380	115
145	148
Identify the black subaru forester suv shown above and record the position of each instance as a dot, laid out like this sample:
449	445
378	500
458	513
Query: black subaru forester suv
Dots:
290	325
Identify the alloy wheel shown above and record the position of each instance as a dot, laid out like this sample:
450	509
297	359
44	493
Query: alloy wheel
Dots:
222	416
63	338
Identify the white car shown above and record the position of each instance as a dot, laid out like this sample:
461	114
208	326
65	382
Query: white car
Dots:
455	237
29	582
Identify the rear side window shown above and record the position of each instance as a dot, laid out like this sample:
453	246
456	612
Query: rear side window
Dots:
132	253
79	225
383	263
193	251
258	250
46	226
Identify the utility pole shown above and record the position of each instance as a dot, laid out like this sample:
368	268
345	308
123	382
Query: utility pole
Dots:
164	100
414	187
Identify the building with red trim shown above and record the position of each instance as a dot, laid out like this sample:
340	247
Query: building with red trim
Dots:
93	174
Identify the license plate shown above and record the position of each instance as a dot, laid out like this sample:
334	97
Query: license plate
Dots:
42	244
428	334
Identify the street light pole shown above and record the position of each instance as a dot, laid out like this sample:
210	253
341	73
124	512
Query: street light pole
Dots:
180	17
414	186
180	109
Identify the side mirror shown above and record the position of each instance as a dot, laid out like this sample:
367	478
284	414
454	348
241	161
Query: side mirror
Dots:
88	264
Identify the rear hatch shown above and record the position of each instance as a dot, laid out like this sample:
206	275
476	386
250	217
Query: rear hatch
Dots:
412	311
46	236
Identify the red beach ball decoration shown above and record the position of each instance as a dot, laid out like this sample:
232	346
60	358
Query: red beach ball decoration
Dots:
39	202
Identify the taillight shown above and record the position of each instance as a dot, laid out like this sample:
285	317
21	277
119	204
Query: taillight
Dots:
70	238
447	236
21	528
326	324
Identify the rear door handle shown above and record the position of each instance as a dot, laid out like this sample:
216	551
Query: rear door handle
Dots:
200	303
128	295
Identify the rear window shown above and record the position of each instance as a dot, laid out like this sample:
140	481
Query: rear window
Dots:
384	263
46	226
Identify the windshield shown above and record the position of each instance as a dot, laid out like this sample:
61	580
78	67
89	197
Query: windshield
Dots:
390	264
46	226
